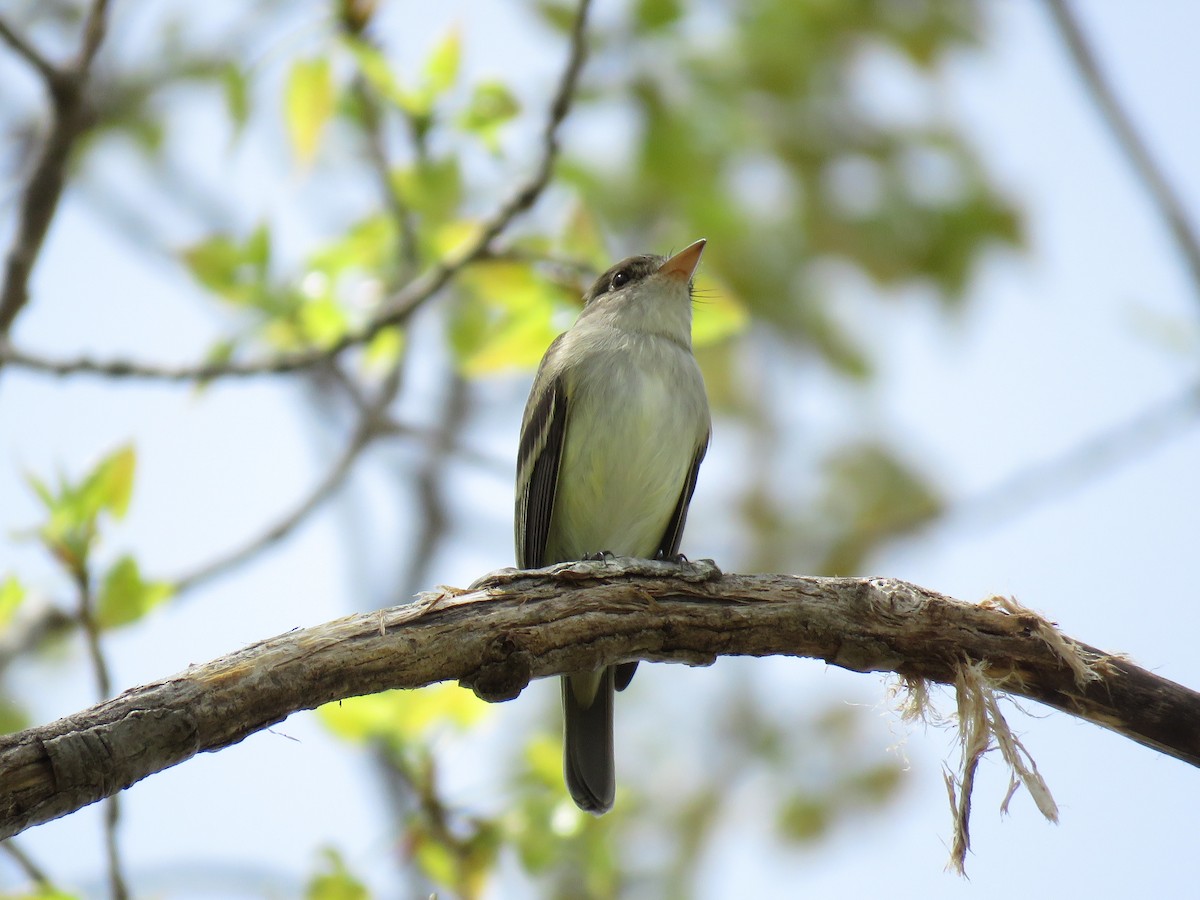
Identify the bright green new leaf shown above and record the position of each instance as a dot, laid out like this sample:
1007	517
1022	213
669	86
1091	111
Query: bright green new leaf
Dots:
432	188
655	14
12	592
384	349
126	597
582	240
322	321
335	881
434	858
492	104
12	718
716	313
110	485
504	320
401	717
441	69
74	508
367	246
236	271
379	75
308	104
237	96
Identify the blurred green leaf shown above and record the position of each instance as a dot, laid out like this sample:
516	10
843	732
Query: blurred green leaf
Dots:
716	313
872	496
384	349
308	105
238	272
502	318
74	508
436	861
334	881
492	105
403	717
804	819
433	188
126	597
13	717
652	15
441	68
12	594
237	96
42	893
379	75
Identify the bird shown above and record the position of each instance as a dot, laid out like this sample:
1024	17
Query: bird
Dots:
612	438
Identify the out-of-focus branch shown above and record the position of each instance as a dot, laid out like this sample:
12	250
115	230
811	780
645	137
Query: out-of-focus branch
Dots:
28	52
26	864
366	431
1165	199
1087	462
516	626
39	199
401	305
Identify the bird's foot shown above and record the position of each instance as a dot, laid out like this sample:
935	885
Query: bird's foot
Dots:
600	556
679	559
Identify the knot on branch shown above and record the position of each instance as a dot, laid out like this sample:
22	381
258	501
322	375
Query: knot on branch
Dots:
504	673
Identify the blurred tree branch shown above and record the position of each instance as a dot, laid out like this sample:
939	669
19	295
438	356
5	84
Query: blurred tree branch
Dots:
396	311
512	627
1163	196
66	86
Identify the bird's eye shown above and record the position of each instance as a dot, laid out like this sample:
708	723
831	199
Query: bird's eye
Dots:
620	279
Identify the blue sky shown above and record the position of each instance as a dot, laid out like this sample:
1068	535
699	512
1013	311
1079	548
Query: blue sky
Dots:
1096	323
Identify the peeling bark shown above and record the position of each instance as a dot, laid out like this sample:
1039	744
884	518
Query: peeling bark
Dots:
512	627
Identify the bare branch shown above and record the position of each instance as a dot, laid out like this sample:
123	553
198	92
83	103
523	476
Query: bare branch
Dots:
1092	459
513	627
26	864
39	199
1131	143
366	431
29	53
400	306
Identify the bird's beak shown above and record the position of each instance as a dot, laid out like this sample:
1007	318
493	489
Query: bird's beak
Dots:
683	263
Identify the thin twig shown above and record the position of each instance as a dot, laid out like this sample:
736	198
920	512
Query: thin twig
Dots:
1086	462
39	199
85	613
397	203
430	479
29	53
26	863
401	306
364	433
1187	242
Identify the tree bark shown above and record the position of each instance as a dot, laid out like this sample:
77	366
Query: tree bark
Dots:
512	627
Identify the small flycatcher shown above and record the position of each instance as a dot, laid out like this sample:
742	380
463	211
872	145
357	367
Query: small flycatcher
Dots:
613	435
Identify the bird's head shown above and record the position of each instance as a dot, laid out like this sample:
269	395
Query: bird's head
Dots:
647	294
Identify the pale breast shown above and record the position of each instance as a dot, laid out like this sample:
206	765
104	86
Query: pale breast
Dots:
636	419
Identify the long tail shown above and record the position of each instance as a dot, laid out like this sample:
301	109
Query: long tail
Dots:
588	745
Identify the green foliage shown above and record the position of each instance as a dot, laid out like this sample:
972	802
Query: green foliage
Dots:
402	718
74	508
308	105
46	892
492	106
12	593
334	881
571	852
502	318
761	144
126	597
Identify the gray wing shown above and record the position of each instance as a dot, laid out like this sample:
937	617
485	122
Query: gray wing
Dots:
669	547
543	434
